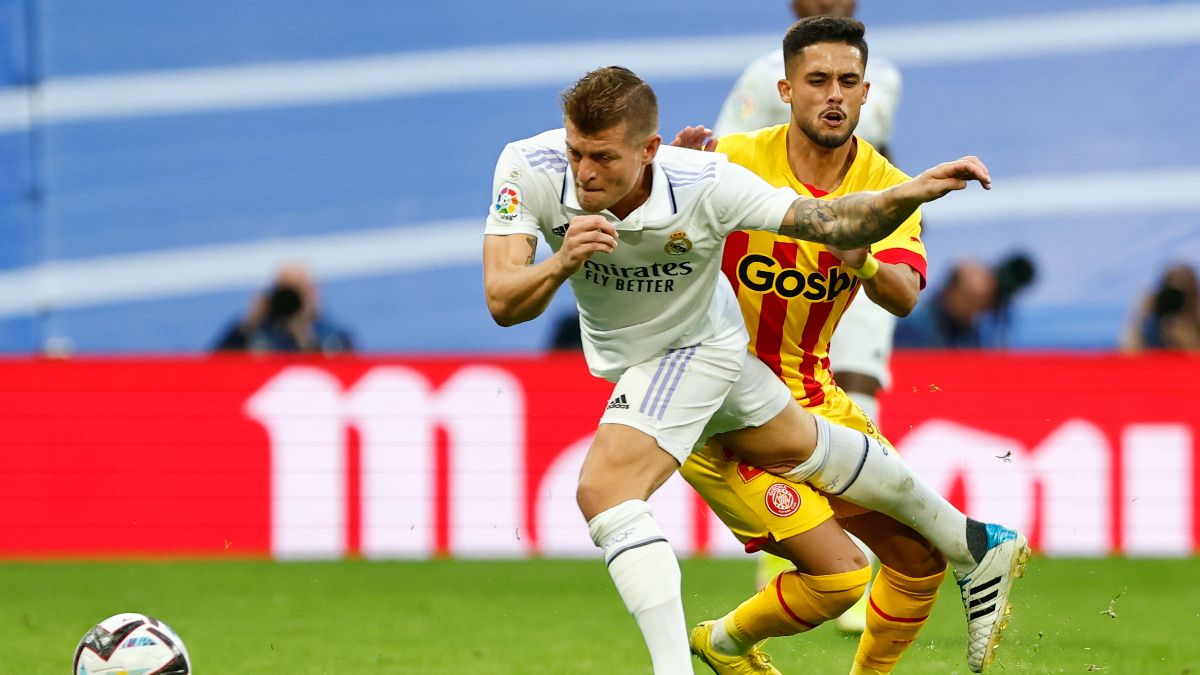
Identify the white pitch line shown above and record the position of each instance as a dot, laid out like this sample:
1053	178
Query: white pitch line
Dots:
413	248
211	269
1048	196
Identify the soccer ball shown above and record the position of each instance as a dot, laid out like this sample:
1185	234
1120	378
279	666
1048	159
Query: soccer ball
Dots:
131	644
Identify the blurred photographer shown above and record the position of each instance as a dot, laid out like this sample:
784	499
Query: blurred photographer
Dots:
1013	275
1168	318
972	309
286	318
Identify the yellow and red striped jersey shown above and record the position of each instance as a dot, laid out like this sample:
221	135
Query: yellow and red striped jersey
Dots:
793	293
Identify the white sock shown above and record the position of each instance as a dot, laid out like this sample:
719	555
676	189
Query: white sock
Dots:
646	573
870	406
724	643
857	468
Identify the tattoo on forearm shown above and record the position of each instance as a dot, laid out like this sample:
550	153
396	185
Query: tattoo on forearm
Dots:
532	241
850	222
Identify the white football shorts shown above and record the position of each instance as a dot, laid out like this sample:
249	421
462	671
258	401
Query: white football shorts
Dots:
691	393
862	342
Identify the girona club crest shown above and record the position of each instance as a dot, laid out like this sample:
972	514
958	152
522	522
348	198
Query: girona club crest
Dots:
782	499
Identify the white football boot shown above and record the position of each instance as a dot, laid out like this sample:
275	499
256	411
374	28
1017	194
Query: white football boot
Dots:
985	591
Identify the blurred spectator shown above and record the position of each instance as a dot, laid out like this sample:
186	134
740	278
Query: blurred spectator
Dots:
1168	318
971	309
286	318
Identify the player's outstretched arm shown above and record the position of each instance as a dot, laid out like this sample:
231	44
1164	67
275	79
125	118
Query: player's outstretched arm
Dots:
863	218
517	289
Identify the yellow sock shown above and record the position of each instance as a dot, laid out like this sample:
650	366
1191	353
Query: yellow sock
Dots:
899	607
793	603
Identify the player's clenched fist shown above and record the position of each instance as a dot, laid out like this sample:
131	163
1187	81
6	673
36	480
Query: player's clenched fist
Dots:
949	176
586	235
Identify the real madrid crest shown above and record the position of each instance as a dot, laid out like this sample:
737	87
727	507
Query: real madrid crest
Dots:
678	244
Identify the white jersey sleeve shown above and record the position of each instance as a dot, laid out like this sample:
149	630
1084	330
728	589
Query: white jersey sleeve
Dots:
754	101
521	196
744	201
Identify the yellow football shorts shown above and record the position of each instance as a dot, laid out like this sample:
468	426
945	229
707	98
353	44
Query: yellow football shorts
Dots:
755	504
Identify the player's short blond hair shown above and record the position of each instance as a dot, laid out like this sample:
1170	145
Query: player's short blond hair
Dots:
605	97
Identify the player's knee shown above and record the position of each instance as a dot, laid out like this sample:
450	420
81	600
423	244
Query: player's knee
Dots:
847	591
830	594
599	491
591	498
779	446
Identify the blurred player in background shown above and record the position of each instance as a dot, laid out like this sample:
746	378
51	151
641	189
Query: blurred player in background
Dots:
754	101
638	231
862	345
792	295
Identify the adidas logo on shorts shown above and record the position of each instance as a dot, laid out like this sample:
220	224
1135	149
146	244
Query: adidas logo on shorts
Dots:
618	402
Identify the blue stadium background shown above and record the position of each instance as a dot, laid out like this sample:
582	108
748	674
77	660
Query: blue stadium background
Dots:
159	159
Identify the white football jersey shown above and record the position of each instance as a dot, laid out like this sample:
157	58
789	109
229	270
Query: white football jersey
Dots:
754	102
662	286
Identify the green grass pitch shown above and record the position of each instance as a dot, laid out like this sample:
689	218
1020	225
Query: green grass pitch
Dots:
543	616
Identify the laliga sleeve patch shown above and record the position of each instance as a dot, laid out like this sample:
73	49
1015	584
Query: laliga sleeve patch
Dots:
508	202
782	500
745	106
